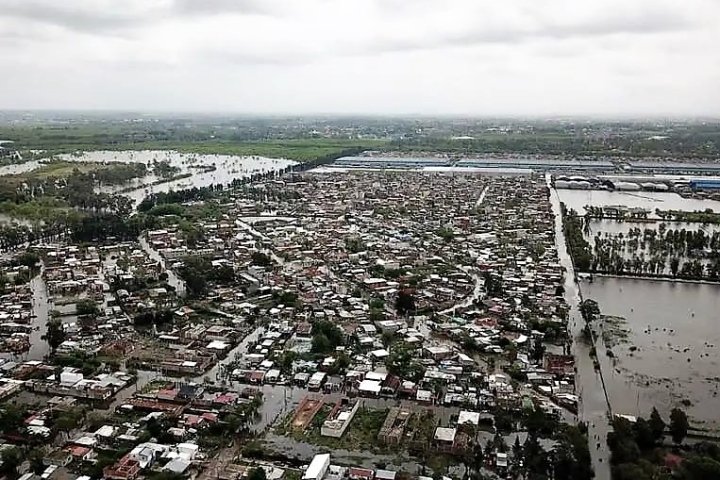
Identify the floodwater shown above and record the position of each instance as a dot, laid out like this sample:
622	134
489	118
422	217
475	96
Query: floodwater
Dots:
615	227
226	168
41	307
674	327
18	168
11	221
204	170
577	199
665	343
593	407
174	279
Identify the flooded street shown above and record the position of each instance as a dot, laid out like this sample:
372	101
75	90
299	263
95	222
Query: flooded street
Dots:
174	279
478	288
593	407
42	305
217	372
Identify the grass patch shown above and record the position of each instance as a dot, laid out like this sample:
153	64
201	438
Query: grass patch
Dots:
203	139
43	208
59	169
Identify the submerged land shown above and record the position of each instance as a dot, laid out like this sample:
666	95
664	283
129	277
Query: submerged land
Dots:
318	298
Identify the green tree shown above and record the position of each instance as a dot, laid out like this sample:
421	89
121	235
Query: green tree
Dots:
631	471
678	425
11	460
260	259
11	417
674	266
321	344
698	467
657	425
589	309
87	306
538	350
387	339
644	434
405	301
35	459
55	334
257	473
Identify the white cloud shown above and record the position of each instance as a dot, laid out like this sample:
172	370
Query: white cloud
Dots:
364	56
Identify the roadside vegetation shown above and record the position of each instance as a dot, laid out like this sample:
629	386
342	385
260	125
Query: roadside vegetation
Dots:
653	449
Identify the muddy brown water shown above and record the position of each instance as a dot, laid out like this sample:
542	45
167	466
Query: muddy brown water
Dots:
670	354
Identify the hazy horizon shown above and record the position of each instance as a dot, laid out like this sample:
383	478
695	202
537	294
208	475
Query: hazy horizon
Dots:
174	113
600	58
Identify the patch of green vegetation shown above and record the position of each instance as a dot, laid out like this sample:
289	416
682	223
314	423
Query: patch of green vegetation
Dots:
61	169
439	463
200	139
361	435
40	209
614	330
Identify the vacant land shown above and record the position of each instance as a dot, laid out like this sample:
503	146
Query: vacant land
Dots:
361	435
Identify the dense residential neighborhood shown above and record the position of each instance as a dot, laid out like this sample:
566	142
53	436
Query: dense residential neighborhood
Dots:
390	309
415	313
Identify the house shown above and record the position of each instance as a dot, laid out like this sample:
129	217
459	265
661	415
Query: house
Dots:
437	353
127	468
318	467
559	364
445	438
316	381
81	454
339	418
385	475
58	458
333	384
393	428
356	473
424	396
370	387
468	418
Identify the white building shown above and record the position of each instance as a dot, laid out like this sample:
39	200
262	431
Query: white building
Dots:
317	468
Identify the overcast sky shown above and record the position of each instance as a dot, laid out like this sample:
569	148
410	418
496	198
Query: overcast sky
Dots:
478	57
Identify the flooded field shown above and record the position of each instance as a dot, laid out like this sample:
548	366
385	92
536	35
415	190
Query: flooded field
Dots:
666	345
577	199
196	170
615	227
664	336
203	170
